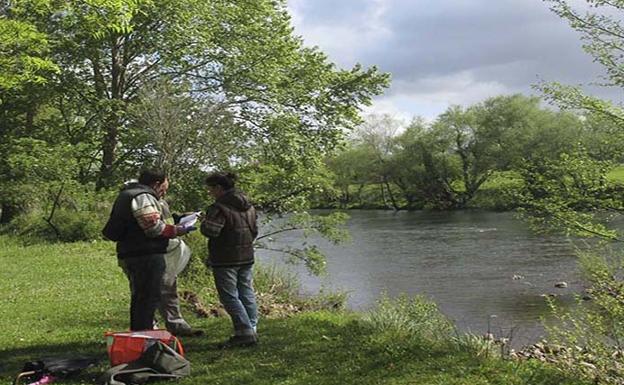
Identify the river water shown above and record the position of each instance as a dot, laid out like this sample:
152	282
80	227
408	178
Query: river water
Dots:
485	270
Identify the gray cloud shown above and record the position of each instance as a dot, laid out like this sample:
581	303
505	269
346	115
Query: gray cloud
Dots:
441	52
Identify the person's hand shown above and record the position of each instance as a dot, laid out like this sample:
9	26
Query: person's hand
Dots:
183	230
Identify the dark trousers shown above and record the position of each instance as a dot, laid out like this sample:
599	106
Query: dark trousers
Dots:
145	274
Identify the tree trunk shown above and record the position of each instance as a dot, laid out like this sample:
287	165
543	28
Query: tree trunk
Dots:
7	212
109	144
395	206
114	120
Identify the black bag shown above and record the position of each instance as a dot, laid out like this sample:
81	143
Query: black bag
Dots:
57	366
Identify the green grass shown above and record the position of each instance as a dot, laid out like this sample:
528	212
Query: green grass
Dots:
60	299
617	174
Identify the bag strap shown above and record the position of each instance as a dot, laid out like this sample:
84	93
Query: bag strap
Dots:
178	346
108	378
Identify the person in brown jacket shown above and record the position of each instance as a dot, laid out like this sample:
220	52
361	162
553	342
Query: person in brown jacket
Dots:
230	225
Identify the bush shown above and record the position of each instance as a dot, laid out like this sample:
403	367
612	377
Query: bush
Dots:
408	320
67	226
588	341
76	214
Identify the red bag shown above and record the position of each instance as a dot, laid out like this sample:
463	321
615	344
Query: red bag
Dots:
124	347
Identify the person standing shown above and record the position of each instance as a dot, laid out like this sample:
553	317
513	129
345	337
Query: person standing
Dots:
136	224
176	259
231	228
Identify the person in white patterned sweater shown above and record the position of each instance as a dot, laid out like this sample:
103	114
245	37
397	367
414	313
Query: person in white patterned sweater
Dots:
137	225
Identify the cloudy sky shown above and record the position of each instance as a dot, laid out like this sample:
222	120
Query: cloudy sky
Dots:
443	52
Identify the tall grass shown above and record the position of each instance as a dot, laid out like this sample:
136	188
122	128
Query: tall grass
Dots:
409	320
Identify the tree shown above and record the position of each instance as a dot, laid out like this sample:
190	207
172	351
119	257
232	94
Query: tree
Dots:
447	163
444	164
351	167
602	34
191	86
179	133
423	167
23	56
377	136
240	55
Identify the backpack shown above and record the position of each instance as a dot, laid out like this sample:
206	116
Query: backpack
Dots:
159	361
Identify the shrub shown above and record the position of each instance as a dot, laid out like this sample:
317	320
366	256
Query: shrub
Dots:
589	338
409	320
64	213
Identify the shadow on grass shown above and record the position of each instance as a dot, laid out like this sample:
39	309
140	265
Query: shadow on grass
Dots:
316	349
301	350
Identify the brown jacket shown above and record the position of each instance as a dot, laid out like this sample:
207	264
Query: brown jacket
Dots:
230	225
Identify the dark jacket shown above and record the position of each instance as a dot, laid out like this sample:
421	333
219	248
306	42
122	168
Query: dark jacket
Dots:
230	224
123	228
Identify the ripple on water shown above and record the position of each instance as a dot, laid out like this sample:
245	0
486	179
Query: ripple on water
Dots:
465	261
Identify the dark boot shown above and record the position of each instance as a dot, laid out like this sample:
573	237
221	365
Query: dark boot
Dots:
239	341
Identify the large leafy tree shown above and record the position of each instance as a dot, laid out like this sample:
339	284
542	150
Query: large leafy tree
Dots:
257	98
424	168
240	54
25	70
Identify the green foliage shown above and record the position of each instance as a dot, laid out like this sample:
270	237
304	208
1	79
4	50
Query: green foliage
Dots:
35	161
350	169
569	194
328	226
188	86
500	192
410	319
447	163
576	194
589	337
23	57
258	87
62	213
67	226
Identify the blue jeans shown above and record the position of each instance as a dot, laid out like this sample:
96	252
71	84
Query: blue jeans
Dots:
235	288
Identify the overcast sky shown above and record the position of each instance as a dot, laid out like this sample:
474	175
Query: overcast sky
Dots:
443	52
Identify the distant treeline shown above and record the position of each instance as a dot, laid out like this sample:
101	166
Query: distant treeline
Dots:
479	156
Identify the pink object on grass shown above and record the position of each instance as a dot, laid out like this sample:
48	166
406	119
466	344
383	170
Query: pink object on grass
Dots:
47	379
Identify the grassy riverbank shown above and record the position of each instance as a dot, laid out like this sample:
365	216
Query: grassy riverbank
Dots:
60	299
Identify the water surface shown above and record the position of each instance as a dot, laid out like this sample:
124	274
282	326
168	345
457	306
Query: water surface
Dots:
465	261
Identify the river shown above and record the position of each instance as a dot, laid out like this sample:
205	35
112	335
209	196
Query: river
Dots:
483	269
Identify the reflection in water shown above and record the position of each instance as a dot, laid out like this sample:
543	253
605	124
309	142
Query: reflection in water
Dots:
464	261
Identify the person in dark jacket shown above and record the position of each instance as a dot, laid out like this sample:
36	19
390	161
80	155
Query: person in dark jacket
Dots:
230	225
137	225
